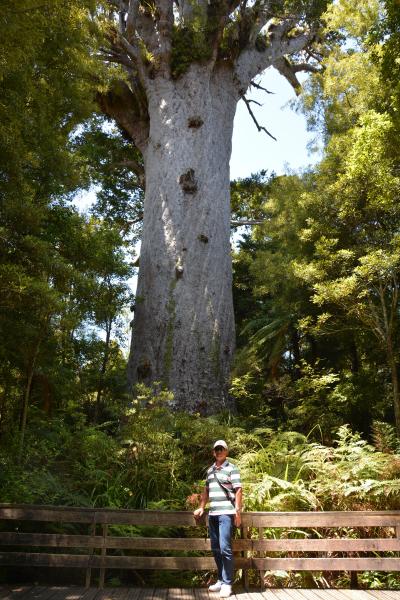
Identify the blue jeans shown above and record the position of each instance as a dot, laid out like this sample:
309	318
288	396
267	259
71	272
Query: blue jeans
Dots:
220	528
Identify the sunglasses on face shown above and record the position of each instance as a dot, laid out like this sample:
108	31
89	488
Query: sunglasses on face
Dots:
219	449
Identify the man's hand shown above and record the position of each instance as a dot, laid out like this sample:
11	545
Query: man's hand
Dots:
238	519
199	512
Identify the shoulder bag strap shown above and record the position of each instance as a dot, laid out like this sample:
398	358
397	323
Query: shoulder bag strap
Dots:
225	490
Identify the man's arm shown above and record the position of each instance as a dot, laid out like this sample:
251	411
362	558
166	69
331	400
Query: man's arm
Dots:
203	501
238	506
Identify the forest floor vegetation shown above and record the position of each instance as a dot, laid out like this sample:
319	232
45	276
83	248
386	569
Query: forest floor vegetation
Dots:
151	457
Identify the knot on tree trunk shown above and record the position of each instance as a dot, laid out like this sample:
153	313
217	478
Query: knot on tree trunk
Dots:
195	122
188	182
144	370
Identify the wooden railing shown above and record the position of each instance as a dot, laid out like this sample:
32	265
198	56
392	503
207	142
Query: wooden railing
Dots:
324	537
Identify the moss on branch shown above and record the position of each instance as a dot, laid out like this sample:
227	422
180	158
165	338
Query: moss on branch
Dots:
189	45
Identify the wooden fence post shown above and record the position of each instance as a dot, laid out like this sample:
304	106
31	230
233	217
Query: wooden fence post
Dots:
353	580
103	553
262	555
92	531
244	531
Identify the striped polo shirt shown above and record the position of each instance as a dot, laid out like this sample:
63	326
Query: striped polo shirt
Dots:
229	476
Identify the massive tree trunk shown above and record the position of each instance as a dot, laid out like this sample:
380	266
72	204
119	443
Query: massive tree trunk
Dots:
183	333
187	65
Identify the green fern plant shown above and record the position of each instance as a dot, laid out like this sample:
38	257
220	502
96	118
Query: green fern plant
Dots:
385	438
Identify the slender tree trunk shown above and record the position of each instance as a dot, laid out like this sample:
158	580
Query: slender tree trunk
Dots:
183	331
395	383
313	348
355	360
103	371
389	327
3	404
26	396
295	339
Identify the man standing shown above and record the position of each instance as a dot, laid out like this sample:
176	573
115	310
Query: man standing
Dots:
224	490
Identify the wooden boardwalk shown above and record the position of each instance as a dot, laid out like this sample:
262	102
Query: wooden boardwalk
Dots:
16	592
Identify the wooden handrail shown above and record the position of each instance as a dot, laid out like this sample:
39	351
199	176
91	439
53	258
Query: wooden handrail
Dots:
63	514
90	551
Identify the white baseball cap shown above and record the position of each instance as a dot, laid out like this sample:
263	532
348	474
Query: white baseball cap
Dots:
221	443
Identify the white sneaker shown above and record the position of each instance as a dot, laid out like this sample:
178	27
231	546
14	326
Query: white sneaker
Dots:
215	587
226	591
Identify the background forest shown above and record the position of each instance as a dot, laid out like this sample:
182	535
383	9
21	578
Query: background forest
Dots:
316	288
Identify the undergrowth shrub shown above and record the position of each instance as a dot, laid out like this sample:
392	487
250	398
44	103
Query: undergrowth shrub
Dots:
155	458
154	455
291	473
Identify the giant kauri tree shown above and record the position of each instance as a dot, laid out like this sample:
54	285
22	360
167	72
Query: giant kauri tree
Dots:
185	66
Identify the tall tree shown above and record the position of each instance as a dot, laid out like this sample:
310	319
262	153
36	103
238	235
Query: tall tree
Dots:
38	111
357	260
53	261
186	64
354	202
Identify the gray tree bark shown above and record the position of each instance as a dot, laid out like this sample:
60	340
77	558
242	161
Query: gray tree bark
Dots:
181	119
183	332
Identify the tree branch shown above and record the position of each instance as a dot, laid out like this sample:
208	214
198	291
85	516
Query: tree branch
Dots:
131	18
133	166
136	30
317	56
117	57
252	62
283	66
165	22
121	104
260	87
250	100
259	127
251	222
289	70
222	21
259	14
376	322
306	67
131	50
138	219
